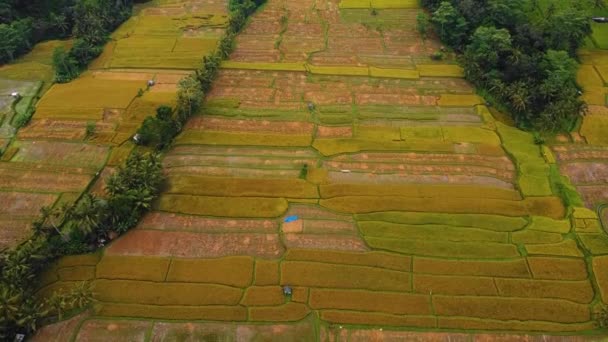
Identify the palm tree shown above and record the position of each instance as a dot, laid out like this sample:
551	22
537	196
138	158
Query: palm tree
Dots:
88	214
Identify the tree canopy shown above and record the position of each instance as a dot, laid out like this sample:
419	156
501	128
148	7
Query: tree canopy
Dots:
524	58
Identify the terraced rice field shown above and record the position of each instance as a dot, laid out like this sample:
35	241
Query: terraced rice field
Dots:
52	159
414	208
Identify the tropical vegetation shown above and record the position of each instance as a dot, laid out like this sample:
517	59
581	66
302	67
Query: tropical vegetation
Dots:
523	58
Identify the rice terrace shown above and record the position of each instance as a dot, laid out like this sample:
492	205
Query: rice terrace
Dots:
310	170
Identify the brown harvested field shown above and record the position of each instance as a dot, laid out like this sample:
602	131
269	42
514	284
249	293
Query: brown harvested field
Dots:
587	168
196	245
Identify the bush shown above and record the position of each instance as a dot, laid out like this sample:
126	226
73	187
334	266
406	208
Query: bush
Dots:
66	67
158	131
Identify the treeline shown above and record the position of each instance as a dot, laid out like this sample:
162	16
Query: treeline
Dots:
23	23
158	131
522	58
94	20
93	221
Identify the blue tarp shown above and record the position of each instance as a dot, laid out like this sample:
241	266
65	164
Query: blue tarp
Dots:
291	218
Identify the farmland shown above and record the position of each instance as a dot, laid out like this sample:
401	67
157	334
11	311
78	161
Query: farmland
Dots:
332	155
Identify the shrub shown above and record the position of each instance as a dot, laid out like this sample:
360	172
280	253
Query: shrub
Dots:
158	131
422	23
66	67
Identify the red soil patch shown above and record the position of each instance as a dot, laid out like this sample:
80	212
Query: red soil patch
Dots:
586	172
374	178
37	180
106	330
193	245
20	204
334	132
252	94
503	163
395	99
176	222
234	172
407	169
99	188
259	27
53	129
593	195
316	212
237	161
331	242
572	153
324	97
60	153
13	231
243	151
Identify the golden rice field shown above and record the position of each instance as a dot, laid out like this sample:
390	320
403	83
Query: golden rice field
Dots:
53	159
332	156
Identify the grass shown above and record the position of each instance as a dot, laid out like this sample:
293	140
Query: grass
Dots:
394	73
266	272
178	312
558	268
231	271
451	100
133	268
375	319
600	271
529	236
588	77
241	139
288	312
545	206
373	259
429	232
223	206
242	187
314	274
88	92
470	134
563	248
76	273
486	250
354	4
329	147
512	309
594	128
153	293
549	225
263	66
595	243
440	70
338	70
391	303
490	222
517	268
454	285
464	323
263	296
392	4
576	291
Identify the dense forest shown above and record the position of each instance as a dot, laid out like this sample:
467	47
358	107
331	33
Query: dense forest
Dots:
520	53
23	23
